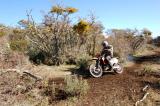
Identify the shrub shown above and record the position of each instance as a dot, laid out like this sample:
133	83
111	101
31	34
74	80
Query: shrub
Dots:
147	69
57	37
121	46
48	87
126	42
2	33
71	10
83	61
3	30
75	86
18	45
69	88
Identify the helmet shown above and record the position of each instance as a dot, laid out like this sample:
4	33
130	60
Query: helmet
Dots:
104	43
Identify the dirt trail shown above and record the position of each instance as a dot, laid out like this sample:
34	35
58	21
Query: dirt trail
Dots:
117	90
114	89
120	90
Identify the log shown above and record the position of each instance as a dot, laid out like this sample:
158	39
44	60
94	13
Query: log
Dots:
145	95
21	73
37	78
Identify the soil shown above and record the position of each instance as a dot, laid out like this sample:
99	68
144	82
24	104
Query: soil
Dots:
117	90
123	89
109	90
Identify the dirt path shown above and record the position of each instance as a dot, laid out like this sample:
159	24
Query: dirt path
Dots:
114	89
121	90
117	90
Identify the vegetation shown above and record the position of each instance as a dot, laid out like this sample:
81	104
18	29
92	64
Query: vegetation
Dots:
157	41
75	86
58	40
127	42
2	30
83	61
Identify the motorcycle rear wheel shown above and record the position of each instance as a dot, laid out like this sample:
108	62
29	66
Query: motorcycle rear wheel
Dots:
95	71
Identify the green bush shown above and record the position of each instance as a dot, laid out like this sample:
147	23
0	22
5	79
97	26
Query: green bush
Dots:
75	86
2	33
83	61
72	87
18	45
147	69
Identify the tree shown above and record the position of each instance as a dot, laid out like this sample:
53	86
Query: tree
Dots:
88	32
53	37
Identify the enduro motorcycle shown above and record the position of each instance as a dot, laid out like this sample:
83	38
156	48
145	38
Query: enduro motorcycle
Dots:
101	65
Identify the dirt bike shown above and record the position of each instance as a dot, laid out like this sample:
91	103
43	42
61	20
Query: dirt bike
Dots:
101	65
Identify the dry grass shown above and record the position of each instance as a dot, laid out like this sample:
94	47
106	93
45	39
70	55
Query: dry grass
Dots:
152	99
25	91
52	71
147	69
147	50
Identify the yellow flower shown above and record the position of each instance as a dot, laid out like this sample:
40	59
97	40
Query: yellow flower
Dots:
82	27
57	9
71	10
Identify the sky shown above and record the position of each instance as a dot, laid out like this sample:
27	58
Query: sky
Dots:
119	14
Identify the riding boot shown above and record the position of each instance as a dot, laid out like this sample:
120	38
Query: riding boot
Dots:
97	63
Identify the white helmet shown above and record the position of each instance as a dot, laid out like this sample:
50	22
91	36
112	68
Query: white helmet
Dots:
104	43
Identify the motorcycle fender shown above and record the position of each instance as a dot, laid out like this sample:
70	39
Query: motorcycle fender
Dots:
116	66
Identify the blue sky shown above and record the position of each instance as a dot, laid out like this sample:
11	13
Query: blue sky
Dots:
112	13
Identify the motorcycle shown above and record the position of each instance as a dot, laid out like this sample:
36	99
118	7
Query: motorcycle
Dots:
101	65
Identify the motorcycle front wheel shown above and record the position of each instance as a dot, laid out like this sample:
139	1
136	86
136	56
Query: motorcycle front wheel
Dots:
118	69
95	71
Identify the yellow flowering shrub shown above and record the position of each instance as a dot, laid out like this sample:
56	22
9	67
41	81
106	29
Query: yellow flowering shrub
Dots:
57	9
71	10
82	27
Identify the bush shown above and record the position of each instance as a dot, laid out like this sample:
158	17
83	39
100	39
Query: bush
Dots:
69	88
75	86
3	30
49	88
147	69
121	46
83	61
18	45
126	42
2	33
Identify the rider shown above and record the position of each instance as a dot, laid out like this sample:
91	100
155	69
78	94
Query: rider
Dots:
107	52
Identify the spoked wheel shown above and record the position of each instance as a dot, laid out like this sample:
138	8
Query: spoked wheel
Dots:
95	72
118	69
